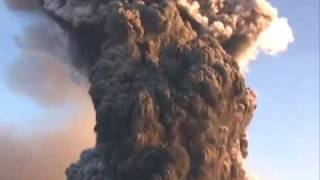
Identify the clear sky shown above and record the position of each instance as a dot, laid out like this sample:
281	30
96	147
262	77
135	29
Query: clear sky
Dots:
285	130
284	134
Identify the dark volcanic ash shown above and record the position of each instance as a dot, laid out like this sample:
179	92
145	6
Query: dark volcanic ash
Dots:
171	102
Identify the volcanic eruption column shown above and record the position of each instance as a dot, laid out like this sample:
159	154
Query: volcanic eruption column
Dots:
166	83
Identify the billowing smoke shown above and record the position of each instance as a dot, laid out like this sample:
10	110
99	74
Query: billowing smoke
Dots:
166	83
170	99
243	27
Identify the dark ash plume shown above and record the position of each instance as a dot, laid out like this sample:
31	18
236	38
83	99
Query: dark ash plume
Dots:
171	102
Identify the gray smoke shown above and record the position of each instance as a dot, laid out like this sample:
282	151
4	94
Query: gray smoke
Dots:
43	73
165	80
171	102
23	5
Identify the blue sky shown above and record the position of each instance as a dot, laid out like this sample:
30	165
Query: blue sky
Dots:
284	134
12	105
285	130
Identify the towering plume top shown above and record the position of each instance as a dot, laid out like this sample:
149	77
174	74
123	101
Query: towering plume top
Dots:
170	99
242	27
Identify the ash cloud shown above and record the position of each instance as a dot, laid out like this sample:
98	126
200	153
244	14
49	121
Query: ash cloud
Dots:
23	5
43	72
170	99
166	81
244	27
